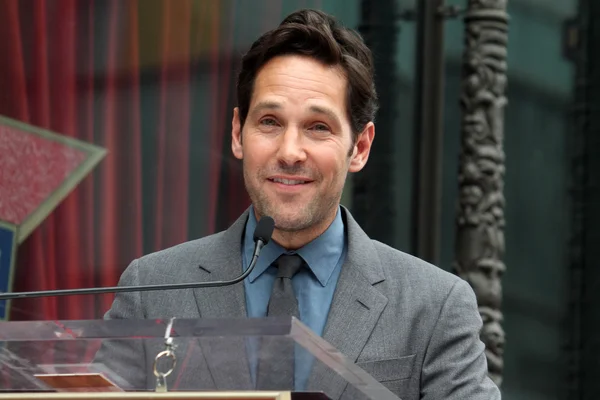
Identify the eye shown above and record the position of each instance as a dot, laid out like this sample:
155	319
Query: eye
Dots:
320	128
268	122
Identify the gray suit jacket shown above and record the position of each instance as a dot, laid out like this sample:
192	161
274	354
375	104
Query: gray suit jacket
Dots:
412	326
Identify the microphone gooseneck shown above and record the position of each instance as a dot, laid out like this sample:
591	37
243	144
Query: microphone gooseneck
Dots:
262	235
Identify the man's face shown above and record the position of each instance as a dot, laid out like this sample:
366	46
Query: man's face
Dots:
296	143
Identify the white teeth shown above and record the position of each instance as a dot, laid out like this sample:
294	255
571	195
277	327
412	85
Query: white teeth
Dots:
288	181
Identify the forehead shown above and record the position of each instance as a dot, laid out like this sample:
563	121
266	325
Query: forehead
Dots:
300	81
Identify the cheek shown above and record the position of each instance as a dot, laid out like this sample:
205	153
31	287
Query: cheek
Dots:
257	155
331	166
250	162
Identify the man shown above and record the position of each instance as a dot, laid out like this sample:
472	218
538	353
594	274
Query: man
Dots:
306	105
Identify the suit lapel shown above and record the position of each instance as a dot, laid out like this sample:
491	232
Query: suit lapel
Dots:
356	308
219	261
222	261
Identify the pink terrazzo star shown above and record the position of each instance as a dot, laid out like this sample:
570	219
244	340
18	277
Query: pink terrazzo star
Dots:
31	169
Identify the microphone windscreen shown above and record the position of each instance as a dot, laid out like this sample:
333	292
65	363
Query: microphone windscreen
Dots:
264	229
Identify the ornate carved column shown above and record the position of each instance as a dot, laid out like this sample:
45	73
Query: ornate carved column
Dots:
480	216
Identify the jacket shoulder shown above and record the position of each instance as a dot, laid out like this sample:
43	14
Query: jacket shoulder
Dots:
417	273
178	256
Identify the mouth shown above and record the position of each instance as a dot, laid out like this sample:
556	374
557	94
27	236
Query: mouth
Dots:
290	182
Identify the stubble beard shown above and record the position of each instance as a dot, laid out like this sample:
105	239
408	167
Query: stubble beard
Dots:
292	217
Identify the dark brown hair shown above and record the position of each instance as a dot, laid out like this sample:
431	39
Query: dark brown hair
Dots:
315	34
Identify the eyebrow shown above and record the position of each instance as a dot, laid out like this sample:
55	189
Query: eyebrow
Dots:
326	111
266	105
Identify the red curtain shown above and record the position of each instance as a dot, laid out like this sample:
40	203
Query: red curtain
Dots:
48	63
74	67
174	118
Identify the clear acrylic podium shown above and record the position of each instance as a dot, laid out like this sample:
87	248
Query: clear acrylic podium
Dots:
188	358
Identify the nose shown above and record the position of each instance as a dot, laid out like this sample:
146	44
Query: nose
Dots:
291	147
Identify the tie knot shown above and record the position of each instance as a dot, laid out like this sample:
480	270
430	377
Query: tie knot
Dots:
288	265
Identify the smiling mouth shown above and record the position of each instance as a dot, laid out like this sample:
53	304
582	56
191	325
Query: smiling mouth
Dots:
289	182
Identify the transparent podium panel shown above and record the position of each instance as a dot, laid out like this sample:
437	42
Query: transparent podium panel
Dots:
179	355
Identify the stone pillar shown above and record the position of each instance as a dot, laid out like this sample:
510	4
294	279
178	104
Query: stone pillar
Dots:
480	216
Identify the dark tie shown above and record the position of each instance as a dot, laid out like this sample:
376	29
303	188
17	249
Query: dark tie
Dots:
282	302
276	372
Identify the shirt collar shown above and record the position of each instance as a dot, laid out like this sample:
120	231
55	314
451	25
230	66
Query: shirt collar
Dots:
321	255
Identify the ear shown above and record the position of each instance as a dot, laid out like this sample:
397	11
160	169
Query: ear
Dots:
236	135
362	148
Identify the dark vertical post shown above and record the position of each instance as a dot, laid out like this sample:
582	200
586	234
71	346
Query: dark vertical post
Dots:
576	46
373	203
480	217
428	136
583	38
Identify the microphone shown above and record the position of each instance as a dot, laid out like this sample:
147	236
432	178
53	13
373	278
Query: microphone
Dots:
262	236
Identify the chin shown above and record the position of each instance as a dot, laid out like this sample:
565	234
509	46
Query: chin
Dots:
291	221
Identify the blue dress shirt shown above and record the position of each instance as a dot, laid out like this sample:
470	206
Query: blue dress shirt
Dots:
314	286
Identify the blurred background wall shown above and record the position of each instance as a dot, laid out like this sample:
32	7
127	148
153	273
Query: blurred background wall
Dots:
153	82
